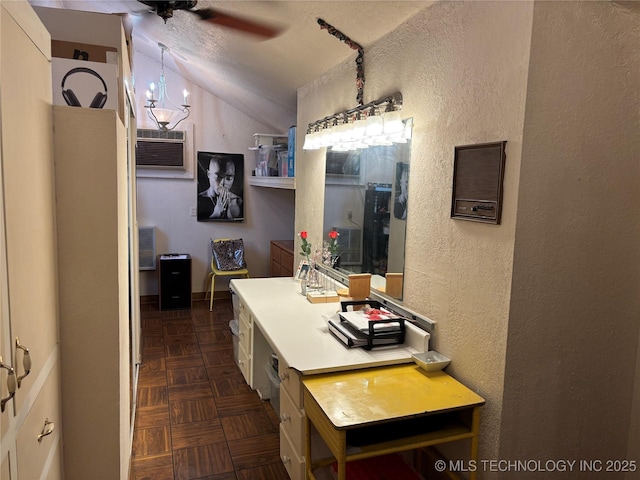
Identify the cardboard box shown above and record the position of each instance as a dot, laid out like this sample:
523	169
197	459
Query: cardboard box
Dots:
323	297
78	83
84	51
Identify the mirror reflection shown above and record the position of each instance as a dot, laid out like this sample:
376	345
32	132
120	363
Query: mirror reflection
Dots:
365	202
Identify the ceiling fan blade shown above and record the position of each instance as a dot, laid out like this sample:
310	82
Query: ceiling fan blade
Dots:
237	23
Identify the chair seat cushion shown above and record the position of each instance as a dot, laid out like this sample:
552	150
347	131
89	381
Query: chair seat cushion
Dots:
228	255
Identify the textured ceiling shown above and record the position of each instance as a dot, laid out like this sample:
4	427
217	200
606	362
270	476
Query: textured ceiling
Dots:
240	68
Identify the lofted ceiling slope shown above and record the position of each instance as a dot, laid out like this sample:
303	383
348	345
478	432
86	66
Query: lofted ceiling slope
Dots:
258	77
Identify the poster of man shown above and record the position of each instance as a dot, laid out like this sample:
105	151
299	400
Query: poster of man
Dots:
402	181
220	186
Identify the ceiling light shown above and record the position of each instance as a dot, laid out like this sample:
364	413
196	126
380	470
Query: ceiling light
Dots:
156	110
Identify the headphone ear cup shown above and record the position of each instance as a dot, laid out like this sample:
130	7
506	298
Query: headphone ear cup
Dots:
70	98
98	101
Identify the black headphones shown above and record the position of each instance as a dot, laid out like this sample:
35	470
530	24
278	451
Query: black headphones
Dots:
98	101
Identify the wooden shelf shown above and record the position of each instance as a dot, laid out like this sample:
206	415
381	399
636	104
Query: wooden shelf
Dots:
288	183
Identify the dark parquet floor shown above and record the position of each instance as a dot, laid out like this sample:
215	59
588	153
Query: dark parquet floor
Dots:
196	417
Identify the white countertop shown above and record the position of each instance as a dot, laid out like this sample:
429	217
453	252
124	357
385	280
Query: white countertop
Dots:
298	333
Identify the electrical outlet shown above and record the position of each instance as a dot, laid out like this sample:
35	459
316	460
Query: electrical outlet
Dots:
193	212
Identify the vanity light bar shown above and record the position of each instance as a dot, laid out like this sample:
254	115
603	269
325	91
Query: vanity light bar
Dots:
360	127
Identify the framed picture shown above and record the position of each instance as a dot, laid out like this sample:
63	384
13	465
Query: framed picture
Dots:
343	163
401	196
220	187
302	272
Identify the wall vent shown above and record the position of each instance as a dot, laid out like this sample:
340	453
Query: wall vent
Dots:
158	149
147	248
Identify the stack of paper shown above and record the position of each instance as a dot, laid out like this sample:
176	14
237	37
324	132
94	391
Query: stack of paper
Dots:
372	320
355	338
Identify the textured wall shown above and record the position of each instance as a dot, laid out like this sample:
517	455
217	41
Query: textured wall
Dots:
540	311
573	327
462	71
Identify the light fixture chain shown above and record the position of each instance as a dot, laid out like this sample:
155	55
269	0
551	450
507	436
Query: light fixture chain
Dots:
359	59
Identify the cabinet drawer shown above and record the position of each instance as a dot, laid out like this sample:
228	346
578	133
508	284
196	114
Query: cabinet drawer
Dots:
275	253
290	458
244	336
286	264
244	362
290	381
292	419
246	317
243	310
32	455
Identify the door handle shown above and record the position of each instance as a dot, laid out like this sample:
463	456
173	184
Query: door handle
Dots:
46	430
11	384
26	361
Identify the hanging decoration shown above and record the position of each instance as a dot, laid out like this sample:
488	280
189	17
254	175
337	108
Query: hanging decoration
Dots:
359	59
376	123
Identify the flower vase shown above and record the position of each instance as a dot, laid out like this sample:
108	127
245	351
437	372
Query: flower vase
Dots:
335	260
314	279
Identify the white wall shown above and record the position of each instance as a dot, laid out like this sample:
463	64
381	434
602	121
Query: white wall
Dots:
464	70
166	203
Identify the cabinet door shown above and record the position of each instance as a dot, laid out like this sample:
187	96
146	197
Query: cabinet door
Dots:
30	278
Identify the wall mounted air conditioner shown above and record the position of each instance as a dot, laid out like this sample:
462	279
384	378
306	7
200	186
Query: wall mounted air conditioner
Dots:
165	154
159	149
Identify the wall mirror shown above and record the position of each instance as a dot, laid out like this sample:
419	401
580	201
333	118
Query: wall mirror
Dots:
365	201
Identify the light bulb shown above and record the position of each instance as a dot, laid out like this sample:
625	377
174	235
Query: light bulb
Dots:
163	114
375	126
392	123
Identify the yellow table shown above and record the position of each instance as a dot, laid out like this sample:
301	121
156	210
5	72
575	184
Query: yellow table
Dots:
383	410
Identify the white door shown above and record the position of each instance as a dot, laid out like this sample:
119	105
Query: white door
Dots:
31	422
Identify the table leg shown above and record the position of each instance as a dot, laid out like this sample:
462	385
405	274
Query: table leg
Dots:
341	457
307	448
475	428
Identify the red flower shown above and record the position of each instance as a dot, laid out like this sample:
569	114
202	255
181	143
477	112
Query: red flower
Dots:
333	243
306	246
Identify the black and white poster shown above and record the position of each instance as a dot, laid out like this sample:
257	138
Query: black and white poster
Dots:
402	181
220	187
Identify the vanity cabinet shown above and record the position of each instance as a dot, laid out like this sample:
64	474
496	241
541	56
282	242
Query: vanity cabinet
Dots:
281	258
245	324
275	318
292	421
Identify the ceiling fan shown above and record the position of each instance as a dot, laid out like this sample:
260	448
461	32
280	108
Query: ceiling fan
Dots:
165	10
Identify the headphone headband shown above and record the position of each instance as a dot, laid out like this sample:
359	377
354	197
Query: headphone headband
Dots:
83	70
